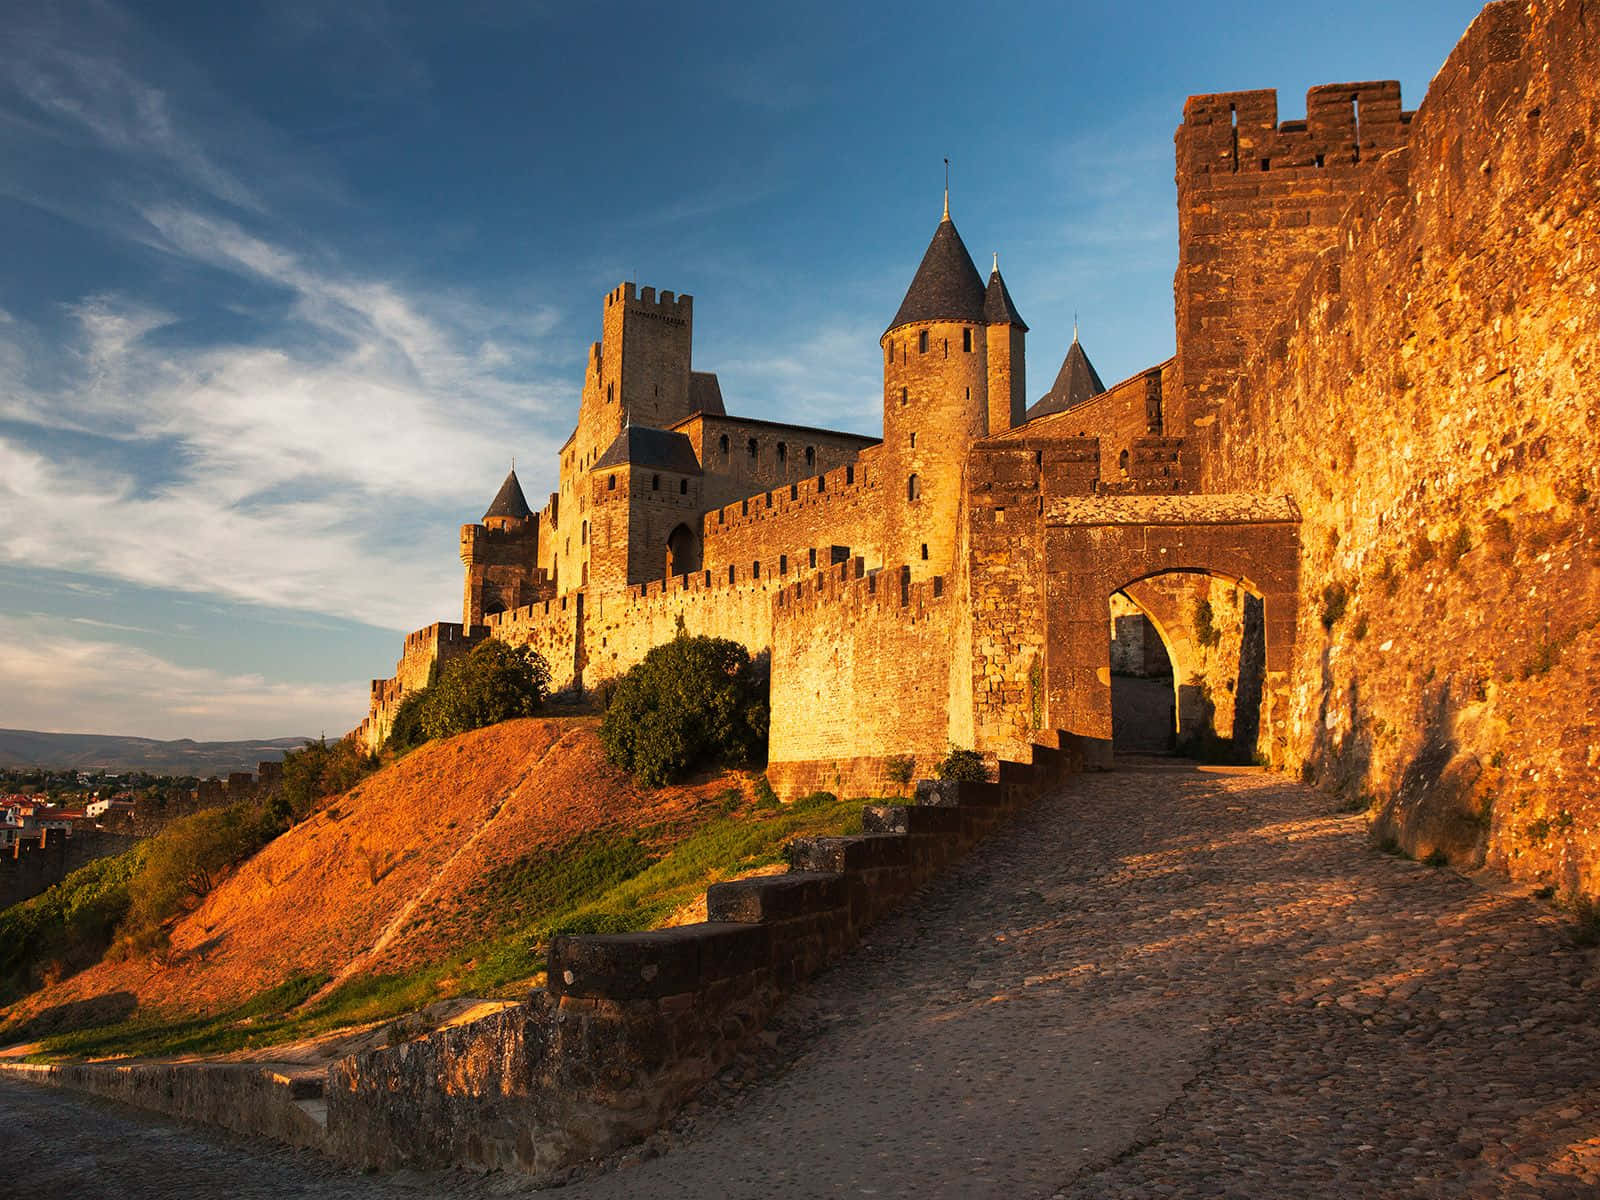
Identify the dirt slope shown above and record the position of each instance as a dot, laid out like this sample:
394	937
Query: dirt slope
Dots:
392	873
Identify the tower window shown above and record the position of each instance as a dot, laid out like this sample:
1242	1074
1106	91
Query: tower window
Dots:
913	488
924	551
755	569
611	483
611	392
811	456
783	564
583	539
969	393
813	558
783	453
905	397
913	439
947	347
755	450
655	483
966	341
730	572
723	445
683	487
922	342
889	350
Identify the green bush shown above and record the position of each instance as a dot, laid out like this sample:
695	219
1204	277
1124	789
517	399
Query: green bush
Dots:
1205	624
184	862
963	766
67	926
496	682
693	701
405	731
317	770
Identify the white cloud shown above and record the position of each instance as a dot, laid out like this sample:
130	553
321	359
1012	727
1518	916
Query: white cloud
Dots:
53	681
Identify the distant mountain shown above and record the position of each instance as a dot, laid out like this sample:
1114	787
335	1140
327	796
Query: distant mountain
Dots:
98	751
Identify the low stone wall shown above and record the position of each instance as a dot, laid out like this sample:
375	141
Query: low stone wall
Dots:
632	1024
244	1097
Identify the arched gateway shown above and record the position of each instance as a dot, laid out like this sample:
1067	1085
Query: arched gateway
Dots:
1048	553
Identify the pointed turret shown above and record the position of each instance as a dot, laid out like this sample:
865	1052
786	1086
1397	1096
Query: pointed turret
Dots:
1005	337
946	287
509	502
1076	382
998	308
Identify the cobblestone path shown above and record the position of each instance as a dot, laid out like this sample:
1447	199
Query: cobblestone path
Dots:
1161	982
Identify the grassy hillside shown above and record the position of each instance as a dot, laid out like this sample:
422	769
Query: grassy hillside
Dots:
442	875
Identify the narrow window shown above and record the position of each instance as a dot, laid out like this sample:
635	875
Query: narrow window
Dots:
947	347
1266	164
813	558
924	551
683	487
583	539
655	483
889	352
1122	462
755	569
849	475
905	396
922	342
811	456
723	443
913	488
969	393
966	341
783	453
755	450
783	564
611	392
730	572
611	483
1319	160
913	439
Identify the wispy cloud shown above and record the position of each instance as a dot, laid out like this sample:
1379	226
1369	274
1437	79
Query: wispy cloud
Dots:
53	681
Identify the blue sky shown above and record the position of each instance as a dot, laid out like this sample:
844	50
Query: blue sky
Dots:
284	285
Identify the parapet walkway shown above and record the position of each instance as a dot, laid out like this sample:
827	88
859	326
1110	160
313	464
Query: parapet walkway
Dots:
1157	982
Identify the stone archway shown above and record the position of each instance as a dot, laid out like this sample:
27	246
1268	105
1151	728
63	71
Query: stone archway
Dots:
1097	548
683	551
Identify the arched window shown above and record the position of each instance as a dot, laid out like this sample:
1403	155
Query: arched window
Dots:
1122	462
723	444
655	483
611	483
913	488
811	456
683	487
683	552
755	450
783	453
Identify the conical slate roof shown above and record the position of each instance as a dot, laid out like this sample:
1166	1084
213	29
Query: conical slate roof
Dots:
509	500
947	287
997	306
1076	382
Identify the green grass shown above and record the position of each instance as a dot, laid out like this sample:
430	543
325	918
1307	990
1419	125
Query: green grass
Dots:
605	882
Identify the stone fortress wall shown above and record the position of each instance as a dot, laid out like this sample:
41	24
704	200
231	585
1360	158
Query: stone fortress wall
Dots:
1378	425
1429	398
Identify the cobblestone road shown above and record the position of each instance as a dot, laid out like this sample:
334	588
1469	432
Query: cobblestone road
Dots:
1159	983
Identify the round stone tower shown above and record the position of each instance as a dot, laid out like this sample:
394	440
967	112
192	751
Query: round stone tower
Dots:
935	403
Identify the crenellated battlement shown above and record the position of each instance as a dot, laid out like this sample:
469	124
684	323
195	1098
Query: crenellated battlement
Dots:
1239	134
839	486
645	302
850	588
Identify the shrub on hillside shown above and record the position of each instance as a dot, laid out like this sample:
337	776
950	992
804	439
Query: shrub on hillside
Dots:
316	770
66	927
184	862
963	766
494	683
693	701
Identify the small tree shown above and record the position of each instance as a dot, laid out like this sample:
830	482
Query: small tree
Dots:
318	769
963	766
406	731
495	683
691	701
899	770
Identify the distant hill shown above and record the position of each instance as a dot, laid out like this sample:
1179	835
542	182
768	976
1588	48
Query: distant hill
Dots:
92	751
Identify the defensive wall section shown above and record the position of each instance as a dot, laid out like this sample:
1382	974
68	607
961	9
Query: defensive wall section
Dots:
1430	401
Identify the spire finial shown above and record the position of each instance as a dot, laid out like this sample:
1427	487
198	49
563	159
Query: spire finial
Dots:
947	189
513	464
997	262
1074	324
